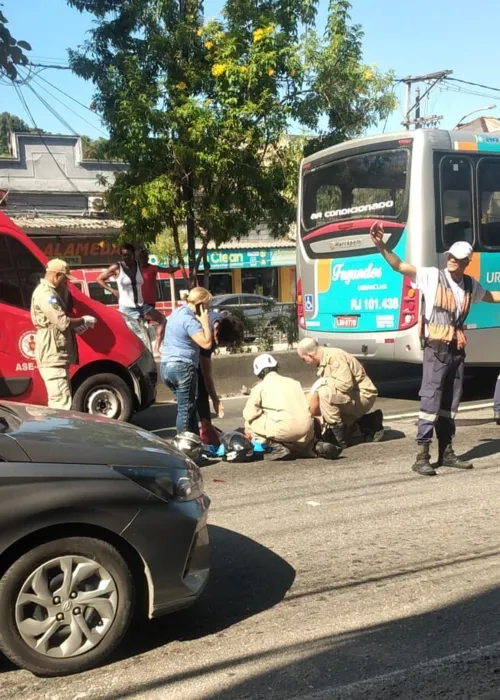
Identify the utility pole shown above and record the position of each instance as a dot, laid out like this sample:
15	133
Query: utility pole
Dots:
432	79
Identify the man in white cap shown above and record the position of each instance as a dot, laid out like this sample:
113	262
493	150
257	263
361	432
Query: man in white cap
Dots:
55	341
447	298
277	413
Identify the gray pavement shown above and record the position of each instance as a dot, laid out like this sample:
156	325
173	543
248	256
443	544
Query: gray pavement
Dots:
331	580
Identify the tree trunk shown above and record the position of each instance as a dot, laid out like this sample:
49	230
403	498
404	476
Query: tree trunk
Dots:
172	291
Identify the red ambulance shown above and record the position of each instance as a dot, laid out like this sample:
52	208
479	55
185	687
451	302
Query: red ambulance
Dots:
117	374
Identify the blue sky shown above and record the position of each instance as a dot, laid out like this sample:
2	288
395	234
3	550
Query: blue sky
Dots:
411	38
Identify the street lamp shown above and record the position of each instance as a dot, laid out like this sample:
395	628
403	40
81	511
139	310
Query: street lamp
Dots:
481	109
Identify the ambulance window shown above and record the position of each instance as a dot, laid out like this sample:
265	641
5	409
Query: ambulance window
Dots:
20	272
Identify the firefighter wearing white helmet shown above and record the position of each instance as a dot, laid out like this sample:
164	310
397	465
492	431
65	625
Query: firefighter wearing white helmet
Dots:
277	413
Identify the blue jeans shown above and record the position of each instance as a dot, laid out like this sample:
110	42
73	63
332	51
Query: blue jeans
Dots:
182	379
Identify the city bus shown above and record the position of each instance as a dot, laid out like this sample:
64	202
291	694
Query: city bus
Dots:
430	188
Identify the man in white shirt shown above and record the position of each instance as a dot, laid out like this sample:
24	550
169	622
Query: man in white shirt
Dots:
447	297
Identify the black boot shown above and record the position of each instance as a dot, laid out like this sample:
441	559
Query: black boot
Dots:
336	434
372	426
448	458
277	452
422	464
496	417
327	450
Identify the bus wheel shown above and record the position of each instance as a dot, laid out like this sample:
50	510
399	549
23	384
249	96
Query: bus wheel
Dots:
105	395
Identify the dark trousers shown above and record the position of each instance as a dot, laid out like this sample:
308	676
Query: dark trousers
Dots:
182	379
440	393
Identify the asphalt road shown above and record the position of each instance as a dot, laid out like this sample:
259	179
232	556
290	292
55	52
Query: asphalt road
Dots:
354	579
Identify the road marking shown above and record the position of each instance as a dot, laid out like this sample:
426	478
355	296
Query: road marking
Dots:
313	503
424	667
414	414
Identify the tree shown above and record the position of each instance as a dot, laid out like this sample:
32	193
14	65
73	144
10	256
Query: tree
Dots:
200	111
9	123
11	50
95	149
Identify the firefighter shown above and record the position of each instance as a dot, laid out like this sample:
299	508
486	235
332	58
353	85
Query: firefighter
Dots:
55	342
447	298
277	414
343	395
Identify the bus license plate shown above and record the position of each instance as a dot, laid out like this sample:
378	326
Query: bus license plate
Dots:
346	321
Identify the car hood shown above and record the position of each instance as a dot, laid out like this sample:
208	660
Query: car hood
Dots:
68	437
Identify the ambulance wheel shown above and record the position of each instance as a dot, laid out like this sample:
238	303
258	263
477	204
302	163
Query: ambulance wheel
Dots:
105	395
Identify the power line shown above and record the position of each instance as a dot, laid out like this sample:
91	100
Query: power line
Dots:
36	80
478	85
65	94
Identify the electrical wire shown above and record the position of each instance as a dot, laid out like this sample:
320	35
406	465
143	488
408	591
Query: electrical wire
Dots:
54	97
478	85
65	94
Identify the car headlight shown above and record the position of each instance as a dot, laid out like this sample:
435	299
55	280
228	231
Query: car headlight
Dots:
139	330
166	483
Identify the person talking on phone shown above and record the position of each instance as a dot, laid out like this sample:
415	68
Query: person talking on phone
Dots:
188	330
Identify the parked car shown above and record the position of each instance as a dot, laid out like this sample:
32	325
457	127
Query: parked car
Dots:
255	307
116	374
98	519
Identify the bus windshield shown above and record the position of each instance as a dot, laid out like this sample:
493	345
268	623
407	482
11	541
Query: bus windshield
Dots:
364	186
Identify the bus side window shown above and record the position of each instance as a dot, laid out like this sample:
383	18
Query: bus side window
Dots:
456	201
488	177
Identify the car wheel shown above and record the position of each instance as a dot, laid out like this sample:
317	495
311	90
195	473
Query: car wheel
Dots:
65	606
106	395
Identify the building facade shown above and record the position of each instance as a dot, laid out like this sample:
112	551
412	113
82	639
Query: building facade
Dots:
55	197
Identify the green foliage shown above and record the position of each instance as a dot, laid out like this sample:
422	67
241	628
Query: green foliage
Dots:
10	123
11	51
200	111
95	149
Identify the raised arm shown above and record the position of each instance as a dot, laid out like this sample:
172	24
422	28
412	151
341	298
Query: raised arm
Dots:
398	265
104	278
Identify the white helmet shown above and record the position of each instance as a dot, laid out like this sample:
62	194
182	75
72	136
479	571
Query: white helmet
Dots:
262	362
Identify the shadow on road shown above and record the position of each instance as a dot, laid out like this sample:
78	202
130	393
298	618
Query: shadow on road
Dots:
247	578
447	652
486	448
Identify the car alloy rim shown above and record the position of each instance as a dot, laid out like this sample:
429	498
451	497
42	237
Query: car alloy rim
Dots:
103	402
66	606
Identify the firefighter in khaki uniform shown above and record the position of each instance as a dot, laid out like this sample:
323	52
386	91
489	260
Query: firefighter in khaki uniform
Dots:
55	340
344	394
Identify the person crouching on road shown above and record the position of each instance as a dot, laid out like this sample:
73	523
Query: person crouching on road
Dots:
55	341
277	413
343	395
447	298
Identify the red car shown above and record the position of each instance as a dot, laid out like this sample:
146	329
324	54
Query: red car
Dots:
117	374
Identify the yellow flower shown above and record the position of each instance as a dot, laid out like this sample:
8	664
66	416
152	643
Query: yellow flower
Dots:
134	202
181	86
218	69
244	69
209	44
199	32
258	35
270	72
208	102
144	212
368	74
269	29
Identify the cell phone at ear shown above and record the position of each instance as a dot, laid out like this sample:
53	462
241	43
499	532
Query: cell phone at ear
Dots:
199	309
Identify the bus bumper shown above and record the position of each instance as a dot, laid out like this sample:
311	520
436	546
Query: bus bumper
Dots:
399	346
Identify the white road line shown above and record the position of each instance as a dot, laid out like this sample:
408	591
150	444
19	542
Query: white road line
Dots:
425	667
414	414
